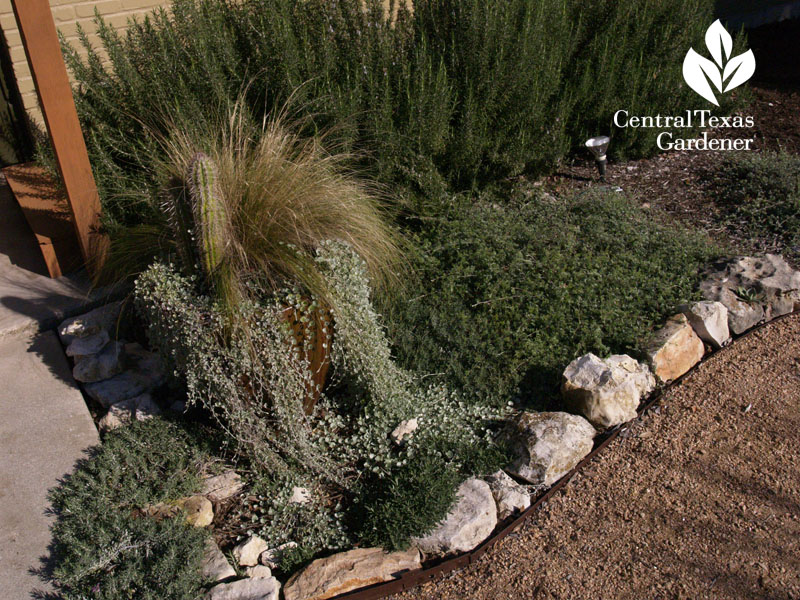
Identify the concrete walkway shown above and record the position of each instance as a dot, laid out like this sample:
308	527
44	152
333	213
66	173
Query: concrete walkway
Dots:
45	426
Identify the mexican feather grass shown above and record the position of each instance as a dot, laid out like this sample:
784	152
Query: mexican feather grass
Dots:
281	196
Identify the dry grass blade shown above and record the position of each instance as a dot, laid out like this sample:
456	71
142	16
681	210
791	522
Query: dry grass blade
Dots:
283	196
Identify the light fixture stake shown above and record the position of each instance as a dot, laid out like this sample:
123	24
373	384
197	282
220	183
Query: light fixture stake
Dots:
598	147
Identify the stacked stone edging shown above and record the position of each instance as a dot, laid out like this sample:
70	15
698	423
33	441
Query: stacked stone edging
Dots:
119	376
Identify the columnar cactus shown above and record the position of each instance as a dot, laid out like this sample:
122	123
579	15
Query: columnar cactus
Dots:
180	217
209	212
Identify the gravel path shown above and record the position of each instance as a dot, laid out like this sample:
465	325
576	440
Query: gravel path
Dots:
701	499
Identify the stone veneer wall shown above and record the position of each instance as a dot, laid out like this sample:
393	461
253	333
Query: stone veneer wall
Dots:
68	14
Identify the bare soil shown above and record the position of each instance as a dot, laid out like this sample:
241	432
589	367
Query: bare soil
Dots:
699	498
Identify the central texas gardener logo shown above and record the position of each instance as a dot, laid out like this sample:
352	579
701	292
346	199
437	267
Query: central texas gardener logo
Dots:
725	73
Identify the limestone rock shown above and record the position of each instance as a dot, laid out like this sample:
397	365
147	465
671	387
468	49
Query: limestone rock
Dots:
709	321
161	510
147	365
779	282
144	407
340	573
118	414
674	349
248	552
179	406
215	566
752	289
509	496
404	429
471	520
606	392
258	571
86	346
223	486
261	588
120	387
123	412
272	557
198	509
548	445
102	318
300	495
98	367
146	375
741	315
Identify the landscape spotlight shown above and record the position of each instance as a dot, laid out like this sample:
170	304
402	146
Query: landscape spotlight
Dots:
598	146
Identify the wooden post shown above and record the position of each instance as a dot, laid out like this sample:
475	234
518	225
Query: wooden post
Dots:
42	48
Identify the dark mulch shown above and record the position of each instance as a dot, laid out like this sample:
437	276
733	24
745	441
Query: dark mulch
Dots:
776	111
674	185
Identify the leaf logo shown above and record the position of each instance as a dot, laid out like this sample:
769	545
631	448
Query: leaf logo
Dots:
724	72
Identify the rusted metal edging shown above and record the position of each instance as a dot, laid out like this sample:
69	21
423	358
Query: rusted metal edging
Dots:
412	579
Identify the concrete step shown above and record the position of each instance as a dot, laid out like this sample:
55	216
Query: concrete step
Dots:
29	299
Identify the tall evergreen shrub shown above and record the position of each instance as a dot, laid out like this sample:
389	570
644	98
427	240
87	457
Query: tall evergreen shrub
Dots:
432	93
629	56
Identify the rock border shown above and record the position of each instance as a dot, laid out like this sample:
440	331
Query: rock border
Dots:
118	376
551	448
413	579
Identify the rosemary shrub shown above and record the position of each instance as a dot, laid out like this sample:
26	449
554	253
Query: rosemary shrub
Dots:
103	550
434	93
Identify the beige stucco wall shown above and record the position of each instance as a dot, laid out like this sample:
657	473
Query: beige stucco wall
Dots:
67	14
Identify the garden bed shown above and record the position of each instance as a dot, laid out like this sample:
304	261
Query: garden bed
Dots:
605	392
468	316
603	398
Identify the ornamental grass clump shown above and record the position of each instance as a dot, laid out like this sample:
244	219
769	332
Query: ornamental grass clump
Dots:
255	225
242	209
247	203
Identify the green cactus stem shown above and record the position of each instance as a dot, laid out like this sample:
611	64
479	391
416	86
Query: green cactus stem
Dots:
181	220
209	212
